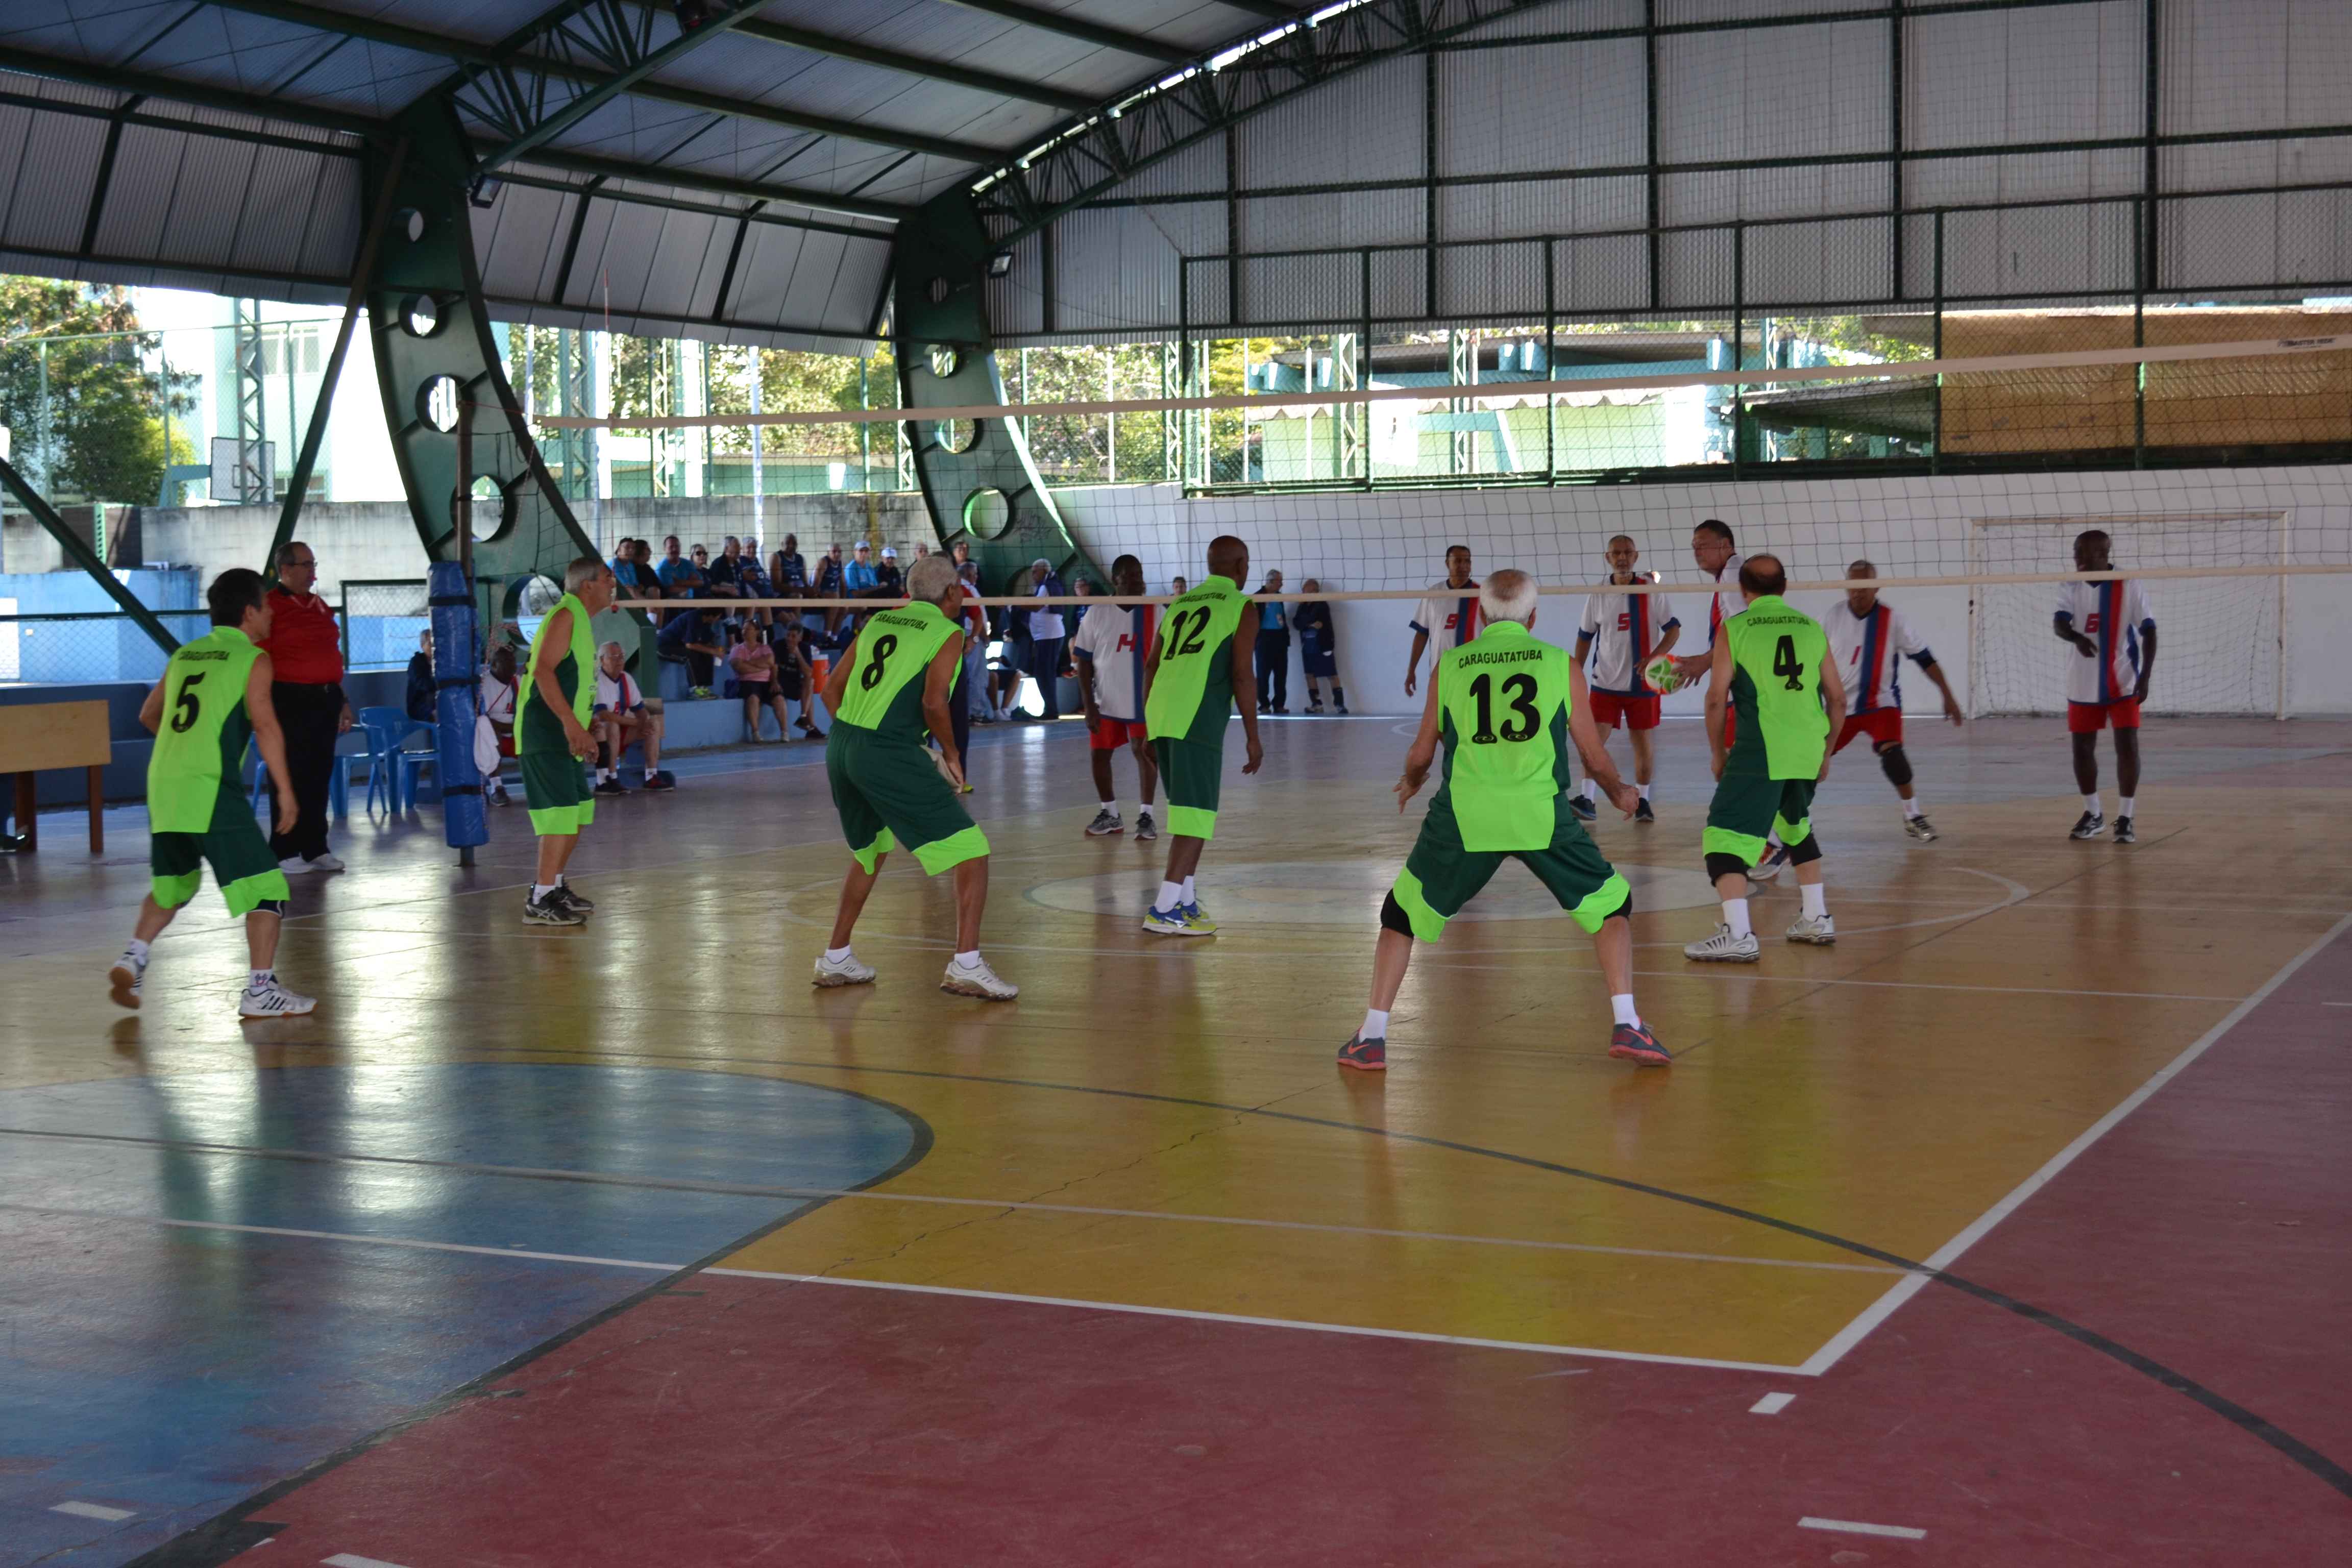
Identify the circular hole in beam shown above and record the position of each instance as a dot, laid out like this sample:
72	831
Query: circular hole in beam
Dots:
957	435
437	402
420	316
987	513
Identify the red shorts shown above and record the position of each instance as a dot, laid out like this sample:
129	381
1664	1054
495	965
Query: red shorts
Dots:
1637	712
1883	725
1109	734
2090	718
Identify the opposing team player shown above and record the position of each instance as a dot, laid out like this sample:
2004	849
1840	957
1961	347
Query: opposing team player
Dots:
215	694
1200	668
889	691
1869	643
1507	707
1449	615
1772	672
1712	548
1620	635
1112	644
553	739
2113	628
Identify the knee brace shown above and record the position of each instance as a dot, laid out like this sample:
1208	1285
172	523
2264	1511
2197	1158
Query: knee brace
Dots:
1897	765
1720	865
1393	918
271	906
1806	853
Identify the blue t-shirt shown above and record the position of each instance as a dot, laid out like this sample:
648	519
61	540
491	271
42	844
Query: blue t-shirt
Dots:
1273	618
859	576
674	572
625	572
680	629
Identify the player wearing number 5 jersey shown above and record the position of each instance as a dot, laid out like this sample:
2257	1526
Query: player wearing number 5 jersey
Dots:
1771	669
1199	670
2112	627
890	692
213	699
1868	643
1506	707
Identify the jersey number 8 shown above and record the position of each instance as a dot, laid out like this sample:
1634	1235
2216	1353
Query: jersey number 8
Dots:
884	647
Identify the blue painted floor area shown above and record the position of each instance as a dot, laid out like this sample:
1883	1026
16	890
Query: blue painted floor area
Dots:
170	1371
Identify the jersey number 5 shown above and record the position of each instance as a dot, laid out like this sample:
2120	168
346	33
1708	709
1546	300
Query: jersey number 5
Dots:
184	708
1785	664
1519	691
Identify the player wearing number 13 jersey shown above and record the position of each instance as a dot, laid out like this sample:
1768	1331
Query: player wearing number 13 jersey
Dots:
1771	669
1506	706
1199	671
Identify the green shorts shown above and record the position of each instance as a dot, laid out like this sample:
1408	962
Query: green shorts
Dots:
1441	875
239	852
1189	772
890	792
555	787
1745	807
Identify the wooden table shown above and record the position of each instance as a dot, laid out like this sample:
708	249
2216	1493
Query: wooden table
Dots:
39	735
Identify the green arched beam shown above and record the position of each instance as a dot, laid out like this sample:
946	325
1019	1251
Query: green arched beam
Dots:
946	358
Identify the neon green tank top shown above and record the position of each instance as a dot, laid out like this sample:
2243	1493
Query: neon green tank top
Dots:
1776	688
204	728
536	729
885	693
1503	703
1193	690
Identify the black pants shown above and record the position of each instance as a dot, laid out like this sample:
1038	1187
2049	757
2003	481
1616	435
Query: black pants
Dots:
309	715
960	725
1045	669
1273	669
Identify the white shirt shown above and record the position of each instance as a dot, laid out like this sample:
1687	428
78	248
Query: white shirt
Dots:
1115	639
1869	650
1718	611
1624	628
621	695
1450	615
498	699
1046	625
2112	615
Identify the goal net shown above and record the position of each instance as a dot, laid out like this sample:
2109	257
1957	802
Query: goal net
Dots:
2221	638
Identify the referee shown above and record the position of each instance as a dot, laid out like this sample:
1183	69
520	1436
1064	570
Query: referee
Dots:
306	648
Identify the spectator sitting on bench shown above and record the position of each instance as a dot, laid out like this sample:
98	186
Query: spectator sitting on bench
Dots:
621	721
692	639
499	690
754	664
795	676
421	689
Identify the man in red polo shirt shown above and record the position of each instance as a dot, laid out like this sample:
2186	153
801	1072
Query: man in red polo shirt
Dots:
307	649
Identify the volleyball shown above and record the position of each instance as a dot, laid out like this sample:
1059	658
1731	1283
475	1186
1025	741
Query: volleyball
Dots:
1660	673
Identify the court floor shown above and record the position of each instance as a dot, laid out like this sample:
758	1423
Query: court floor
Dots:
2012	1228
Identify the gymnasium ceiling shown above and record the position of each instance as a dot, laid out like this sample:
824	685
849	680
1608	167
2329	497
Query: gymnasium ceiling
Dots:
742	182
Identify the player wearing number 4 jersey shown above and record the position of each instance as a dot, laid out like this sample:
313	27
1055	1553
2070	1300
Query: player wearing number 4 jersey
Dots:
1868	643
2112	627
1506	707
1199	672
213	697
884	697
1772	672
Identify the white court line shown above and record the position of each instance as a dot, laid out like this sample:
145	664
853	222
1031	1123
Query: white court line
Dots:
342	1235
1771	1404
1850	1527
1254	1323
1943	1257
2337	1003
349	1559
93	1510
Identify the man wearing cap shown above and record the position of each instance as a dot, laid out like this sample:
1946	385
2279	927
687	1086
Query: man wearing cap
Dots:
889	582
1047	634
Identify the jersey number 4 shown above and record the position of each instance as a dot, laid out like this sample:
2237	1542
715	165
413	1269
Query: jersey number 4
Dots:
1519	691
1785	664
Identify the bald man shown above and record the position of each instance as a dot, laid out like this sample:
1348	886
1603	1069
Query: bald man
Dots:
1200	670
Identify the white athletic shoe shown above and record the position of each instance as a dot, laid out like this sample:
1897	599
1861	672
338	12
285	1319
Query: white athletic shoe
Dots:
1820	931
1724	947
295	865
1105	824
849	972
273	1001
326	862
128	974
1920	828
977	980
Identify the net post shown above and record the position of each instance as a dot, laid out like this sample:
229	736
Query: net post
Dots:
1364	357
1739	347
1936	434
2286	560
2141	215
1551	341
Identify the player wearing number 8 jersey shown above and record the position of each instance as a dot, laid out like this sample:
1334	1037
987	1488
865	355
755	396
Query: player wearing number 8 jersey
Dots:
1771	668
1199	670
1506	707
213	697
890	692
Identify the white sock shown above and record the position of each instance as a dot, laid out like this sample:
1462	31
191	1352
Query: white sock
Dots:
2122	805
1735	915
837	955
1111	807
1911	808
137	950
2091	803
1143	810
1591	787
968	960
1172	896
1645	792
559	880
541	889
1376	1026
1623	1005
1190	896
261	979
1817	898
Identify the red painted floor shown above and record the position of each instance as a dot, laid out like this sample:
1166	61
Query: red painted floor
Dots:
741	1421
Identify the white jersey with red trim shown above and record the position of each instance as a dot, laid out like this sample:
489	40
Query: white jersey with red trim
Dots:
1624	630
1727	601
2115	615
1450	615
617	695
1115	639
1869	650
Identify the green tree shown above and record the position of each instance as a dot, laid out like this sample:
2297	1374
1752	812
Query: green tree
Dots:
99	436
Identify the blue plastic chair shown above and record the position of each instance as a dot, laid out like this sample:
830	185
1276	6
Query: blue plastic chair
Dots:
393	729
384	729
257	785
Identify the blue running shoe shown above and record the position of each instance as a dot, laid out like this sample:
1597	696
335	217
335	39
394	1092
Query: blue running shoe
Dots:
1634	1043
1584	809
1366	1056
1775	861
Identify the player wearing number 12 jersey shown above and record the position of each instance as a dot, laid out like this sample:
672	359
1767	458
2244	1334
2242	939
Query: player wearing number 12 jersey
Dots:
1506	707
1199	672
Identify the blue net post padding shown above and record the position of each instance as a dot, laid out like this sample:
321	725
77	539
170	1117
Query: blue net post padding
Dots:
464	822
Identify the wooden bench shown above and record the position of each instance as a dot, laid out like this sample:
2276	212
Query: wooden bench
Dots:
35	736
